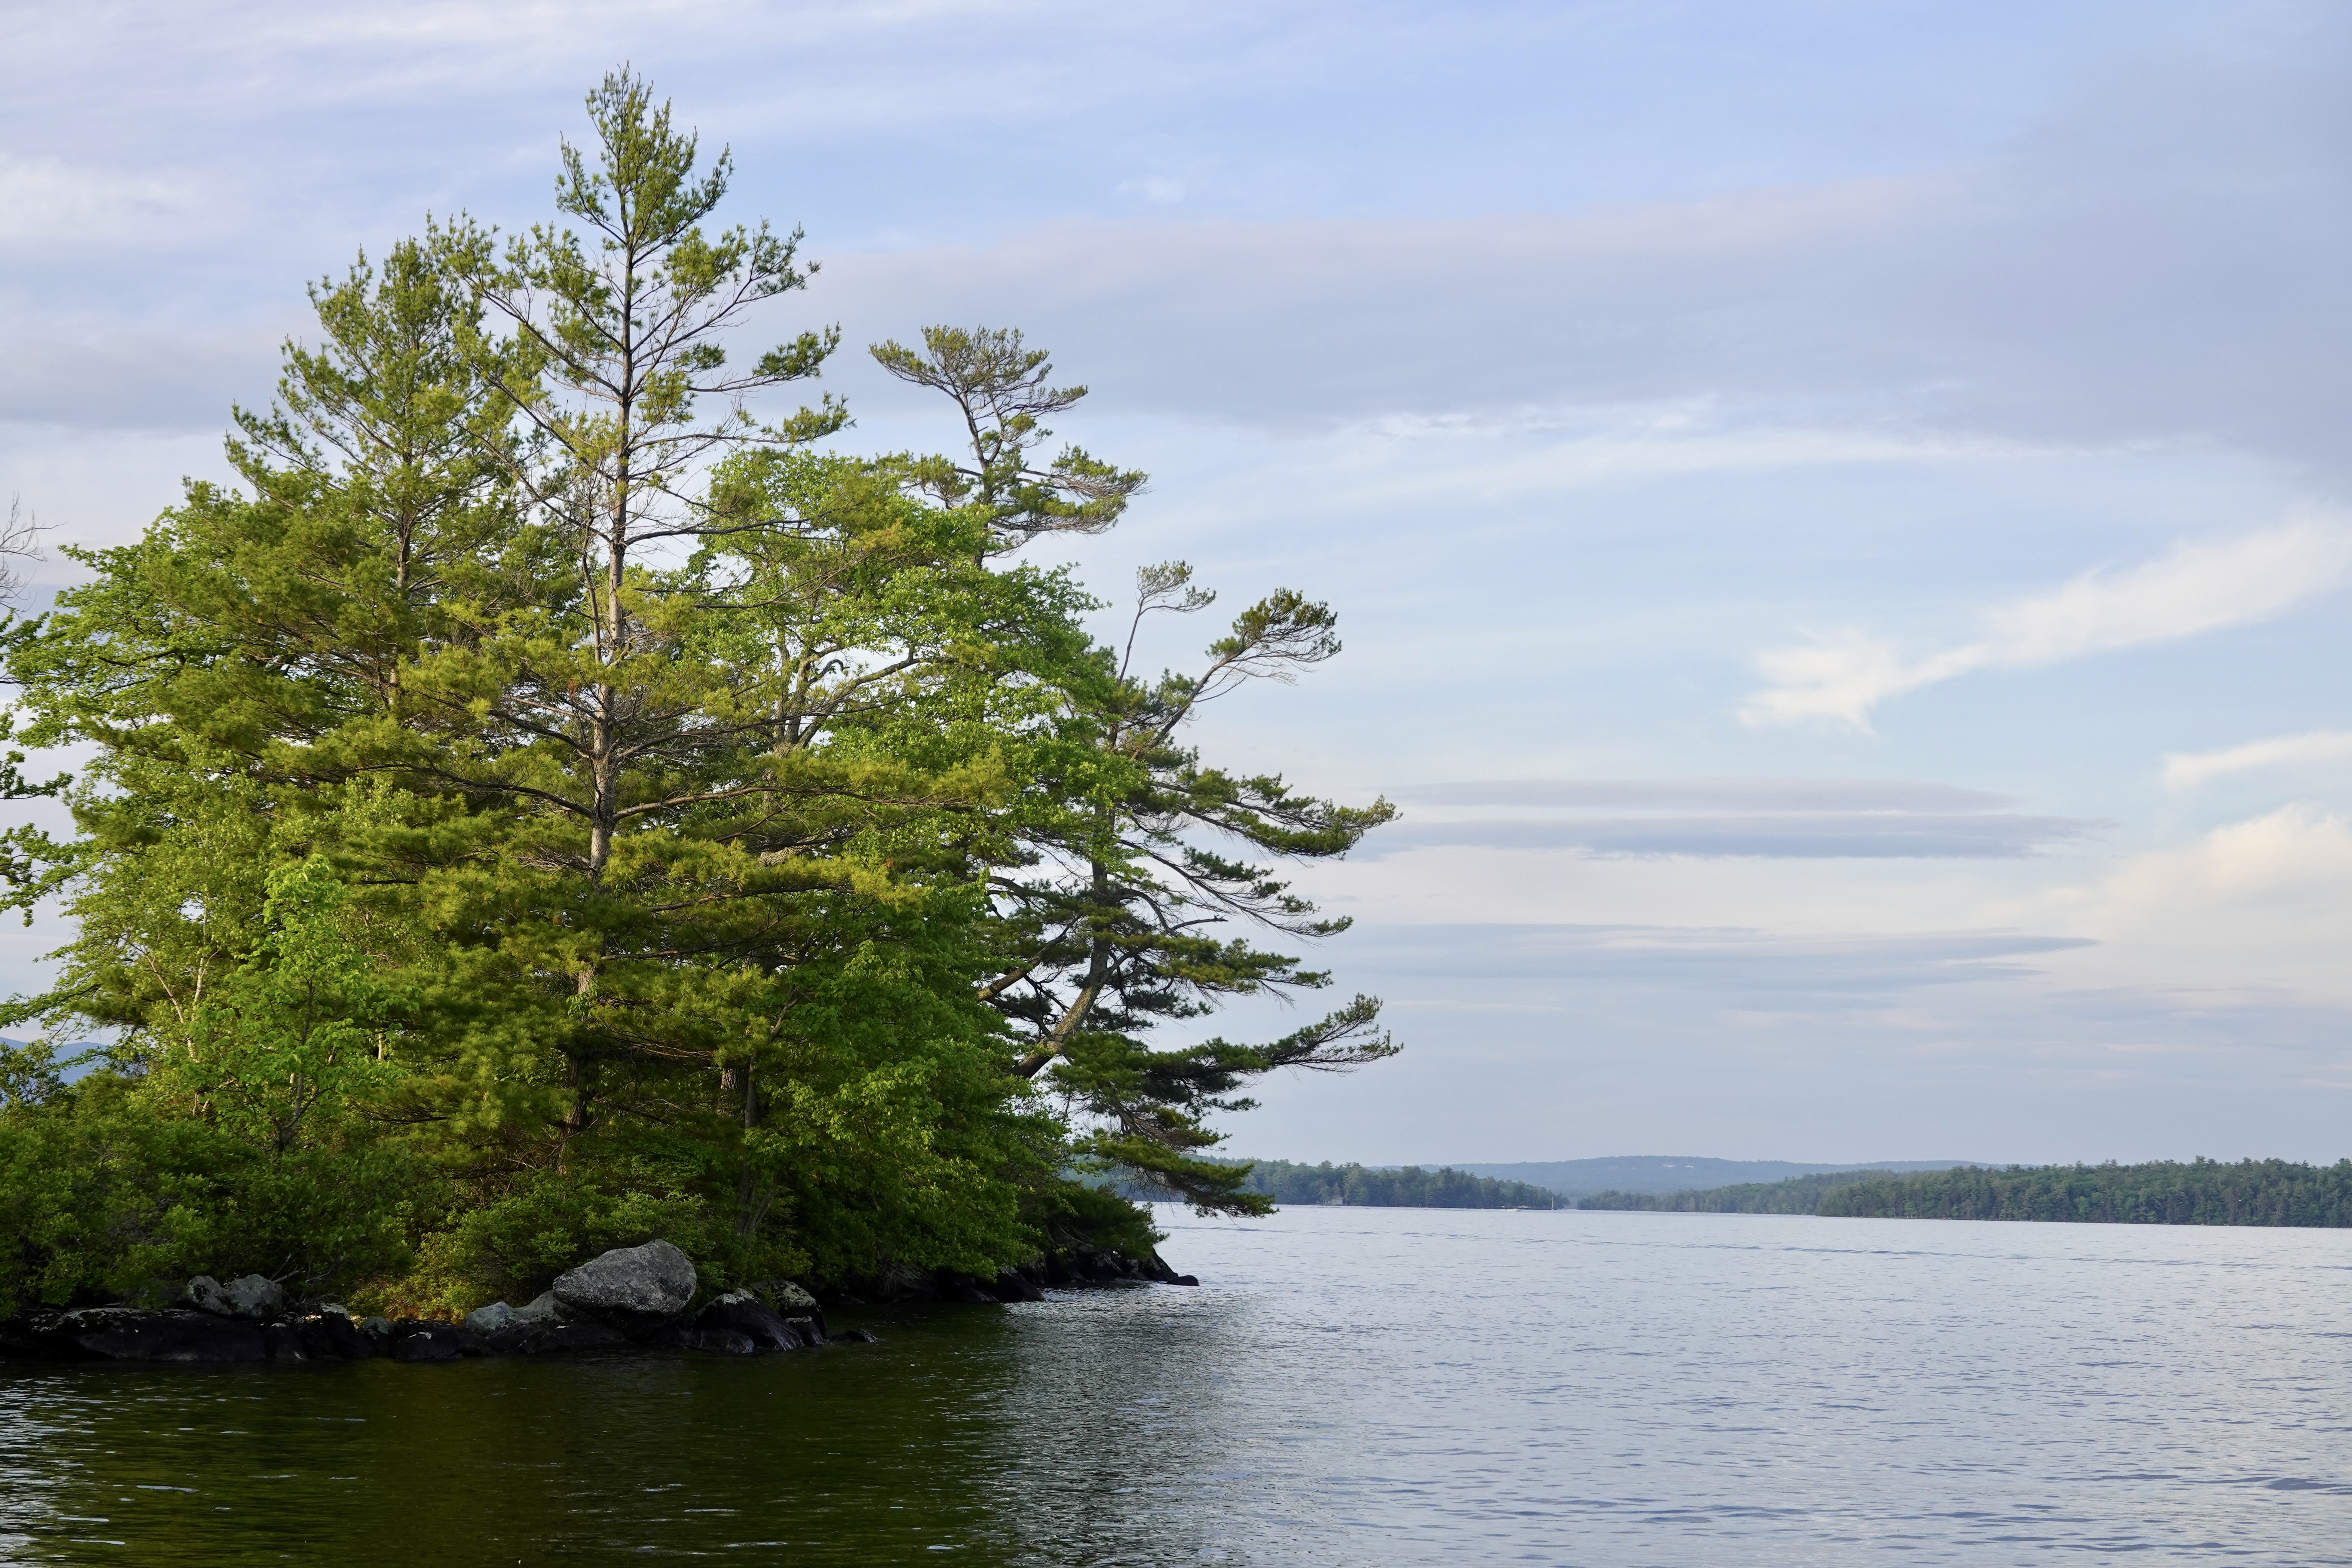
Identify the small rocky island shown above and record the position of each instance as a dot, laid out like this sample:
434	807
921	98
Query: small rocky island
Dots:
632	1296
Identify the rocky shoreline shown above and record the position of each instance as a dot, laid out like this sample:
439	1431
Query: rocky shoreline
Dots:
632	1297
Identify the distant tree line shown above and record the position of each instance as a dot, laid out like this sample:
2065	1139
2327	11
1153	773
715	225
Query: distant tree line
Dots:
1409	1188
1798	1195
2166	1191
2202	1192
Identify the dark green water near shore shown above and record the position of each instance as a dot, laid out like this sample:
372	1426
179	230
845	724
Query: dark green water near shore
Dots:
1351	1386
950	1437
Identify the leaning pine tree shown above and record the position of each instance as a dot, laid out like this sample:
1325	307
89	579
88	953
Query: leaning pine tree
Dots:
531	813
1111	919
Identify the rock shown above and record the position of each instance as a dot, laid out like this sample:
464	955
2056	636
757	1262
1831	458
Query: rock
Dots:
633	1287
894	1284
332	1335
788	1298
254	1298
963	1293
550	1337
718	1341
131	1333
415	1341
284	1342
1011	1286
741	1312
858	1337
487	1320
1185	1279
797	1307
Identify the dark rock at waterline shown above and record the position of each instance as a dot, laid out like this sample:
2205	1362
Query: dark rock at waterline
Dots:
1012	1285
742	1313
553	1338
417	1340
858	1337
718	1341
795	1306
332	1336
1185	1279
133	1333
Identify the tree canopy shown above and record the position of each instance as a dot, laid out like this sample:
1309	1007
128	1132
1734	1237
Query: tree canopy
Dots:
560	796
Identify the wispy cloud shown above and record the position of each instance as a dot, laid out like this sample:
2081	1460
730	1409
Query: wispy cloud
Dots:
1712	794
1731	956
1783	818
1797	835
2195	588
2186	770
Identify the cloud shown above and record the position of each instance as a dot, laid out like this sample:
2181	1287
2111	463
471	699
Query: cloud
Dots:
1738	958
1780	818
46	203
2254	908
1782	836
2186	770
1720	795
141	379
2194	589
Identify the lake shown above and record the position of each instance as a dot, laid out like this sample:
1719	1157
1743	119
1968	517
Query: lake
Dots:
1349	1386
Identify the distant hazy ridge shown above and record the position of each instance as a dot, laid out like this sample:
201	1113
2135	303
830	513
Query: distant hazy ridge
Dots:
1677	1173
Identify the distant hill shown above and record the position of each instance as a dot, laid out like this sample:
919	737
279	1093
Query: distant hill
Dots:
1677	1172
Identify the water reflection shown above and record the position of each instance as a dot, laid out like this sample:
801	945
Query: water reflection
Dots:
1384	1387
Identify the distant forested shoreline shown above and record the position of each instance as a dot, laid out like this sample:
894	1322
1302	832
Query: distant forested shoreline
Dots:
1409	1187
1798	1195
2164	1192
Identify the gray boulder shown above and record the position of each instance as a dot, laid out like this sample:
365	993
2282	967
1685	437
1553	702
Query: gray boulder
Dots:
785	1297
540	1309
487	1320
630	1286
252	1299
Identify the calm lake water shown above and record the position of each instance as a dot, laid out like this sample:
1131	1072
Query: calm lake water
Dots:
1351	1387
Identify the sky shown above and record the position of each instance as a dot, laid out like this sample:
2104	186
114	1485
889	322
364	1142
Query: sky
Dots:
1840	512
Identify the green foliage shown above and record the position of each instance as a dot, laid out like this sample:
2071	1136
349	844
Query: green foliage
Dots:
528	812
